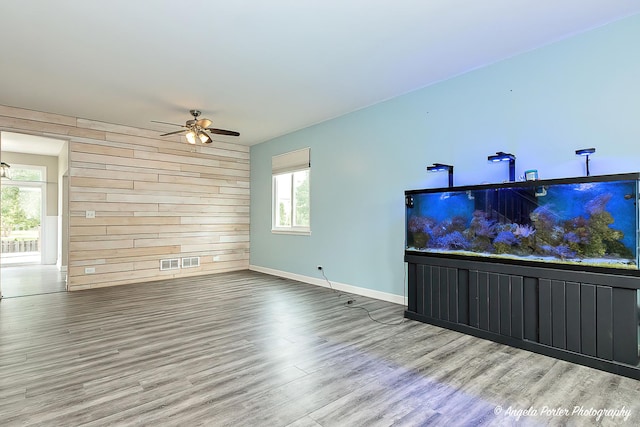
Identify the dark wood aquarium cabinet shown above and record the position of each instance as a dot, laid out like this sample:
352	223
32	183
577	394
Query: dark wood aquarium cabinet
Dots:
550	266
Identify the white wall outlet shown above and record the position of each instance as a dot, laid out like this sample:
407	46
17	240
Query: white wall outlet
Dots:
89	270
90	214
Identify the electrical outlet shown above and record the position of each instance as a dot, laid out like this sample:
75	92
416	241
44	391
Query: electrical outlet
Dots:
90	214
89	270
319	267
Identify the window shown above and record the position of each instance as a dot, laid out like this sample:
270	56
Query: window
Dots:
27	173
22	202
291	208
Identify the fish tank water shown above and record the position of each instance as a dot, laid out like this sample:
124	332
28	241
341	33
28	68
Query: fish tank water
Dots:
587	222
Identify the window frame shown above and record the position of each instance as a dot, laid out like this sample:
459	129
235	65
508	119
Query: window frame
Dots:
38	185
292	229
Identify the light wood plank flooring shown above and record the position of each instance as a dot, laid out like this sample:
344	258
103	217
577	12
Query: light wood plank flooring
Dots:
34	279
248	349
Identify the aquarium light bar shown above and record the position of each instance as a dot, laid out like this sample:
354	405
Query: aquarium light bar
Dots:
441	167
585	152
501	156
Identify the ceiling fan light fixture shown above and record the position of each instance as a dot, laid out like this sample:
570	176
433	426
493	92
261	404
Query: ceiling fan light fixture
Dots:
4	170
191	137
204	138
197	129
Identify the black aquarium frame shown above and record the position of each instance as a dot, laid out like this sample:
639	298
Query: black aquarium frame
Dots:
532	184
582	314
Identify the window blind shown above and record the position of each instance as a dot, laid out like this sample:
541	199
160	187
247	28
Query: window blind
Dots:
291	161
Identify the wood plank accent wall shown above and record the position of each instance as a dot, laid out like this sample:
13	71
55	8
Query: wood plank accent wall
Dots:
154	198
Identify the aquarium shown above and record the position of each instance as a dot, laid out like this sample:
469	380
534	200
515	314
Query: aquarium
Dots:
587	222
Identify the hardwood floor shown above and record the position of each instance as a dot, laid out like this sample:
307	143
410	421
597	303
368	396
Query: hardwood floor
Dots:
248	349
34	279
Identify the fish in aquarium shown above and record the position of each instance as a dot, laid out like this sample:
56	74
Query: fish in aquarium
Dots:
591	223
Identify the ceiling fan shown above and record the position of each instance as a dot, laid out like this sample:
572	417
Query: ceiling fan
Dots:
196	129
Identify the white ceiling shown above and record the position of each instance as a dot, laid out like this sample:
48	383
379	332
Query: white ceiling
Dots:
263	68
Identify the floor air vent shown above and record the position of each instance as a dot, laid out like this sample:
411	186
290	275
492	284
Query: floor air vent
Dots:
170	264
191	262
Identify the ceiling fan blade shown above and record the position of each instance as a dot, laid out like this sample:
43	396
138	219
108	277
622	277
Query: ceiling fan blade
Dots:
166	123
203	123
173	133
223	132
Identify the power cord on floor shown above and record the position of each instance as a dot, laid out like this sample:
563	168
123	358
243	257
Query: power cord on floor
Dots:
352	300
332	288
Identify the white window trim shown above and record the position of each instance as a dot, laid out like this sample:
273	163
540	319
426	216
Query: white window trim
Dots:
301	231
291	231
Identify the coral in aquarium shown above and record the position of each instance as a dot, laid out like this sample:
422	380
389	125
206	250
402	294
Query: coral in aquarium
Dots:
560	251
419	224
564	252
525	235
481	225
618	249
504	242
577	233
593	236
572	238
523	231
458	223
573	241
481	231
547	231
543	216
453	241
448	226
543	229
597	204
421	230
602	238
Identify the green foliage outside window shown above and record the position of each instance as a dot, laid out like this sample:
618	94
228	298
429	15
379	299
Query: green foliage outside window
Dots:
302	202
20	209
284	218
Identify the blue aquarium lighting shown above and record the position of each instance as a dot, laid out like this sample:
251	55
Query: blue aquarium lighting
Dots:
586	152
501	156
440	167
582	222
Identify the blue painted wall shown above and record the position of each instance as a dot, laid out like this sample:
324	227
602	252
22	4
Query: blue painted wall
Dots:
541	105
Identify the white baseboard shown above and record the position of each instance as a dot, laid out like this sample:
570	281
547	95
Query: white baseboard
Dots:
384	296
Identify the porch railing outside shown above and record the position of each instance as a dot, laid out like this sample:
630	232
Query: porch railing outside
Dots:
15	246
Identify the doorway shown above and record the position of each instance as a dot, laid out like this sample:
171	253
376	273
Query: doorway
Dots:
33	205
